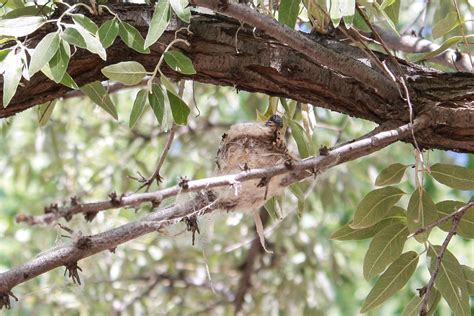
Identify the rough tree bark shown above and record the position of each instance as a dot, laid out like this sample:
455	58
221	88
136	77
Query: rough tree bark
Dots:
226	53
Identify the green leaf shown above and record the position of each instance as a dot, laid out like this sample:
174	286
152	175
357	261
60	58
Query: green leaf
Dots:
138	107
288	12
450	281
453	176
28	11
273	208
58	64
159	22
21	26
43	52
182	10
132	38
393	174
85	22
92	43
11	76
179	109
98	94
299	194
304	144
157	102
448	23
468	273
73	37
375	206
169	85
44	112
341	8
107	32
386	246
421	211
127	72
179	62
396	215
391	9
413	307
466	224
446	44
392	280
69	82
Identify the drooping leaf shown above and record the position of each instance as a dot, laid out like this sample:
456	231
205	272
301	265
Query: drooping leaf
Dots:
138	107
448	23
92	42
375	206
157	102
466	224
304	144
99	95
20	26
179	109
468	273
413	307
385	247
450	281
58	64
169	85
341	8
393	174
126	72
44	112
396	215
44	51
421	211
182	9
159	22
179	62
392	280
85	22
288	12
73	37
107	32
456	177
299	194
132	38
11	76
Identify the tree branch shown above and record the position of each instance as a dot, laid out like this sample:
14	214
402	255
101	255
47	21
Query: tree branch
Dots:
86	246
318	53
439	258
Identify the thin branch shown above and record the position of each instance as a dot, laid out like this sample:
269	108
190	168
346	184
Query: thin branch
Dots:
86	246
318	53
156	175
297	171
412	44
461	210
456	220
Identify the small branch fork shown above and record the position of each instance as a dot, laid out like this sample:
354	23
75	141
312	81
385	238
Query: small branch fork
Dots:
86	246
456	216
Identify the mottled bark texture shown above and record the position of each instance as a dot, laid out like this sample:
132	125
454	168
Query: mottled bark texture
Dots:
224	52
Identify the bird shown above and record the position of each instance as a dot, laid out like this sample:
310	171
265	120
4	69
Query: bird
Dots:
247	146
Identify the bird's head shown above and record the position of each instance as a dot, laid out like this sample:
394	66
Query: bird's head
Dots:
275	122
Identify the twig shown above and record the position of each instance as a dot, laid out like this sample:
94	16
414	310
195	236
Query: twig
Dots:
317	52
156	175
456	220
461	210
346	152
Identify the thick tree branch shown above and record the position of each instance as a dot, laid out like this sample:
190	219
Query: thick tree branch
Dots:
226	53
86	246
